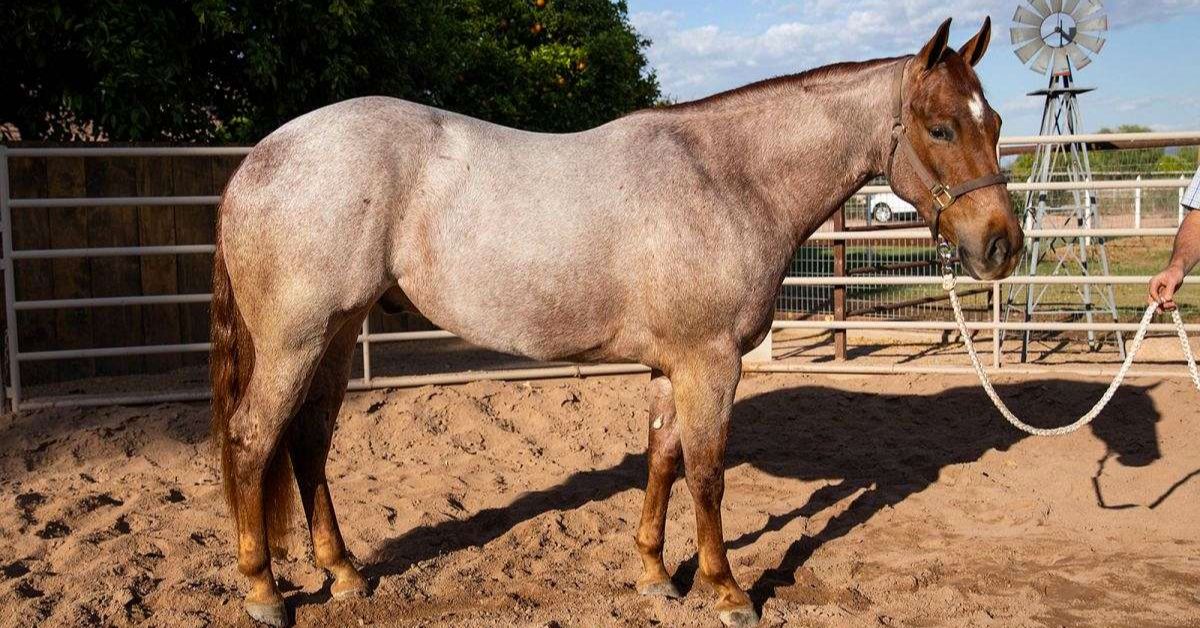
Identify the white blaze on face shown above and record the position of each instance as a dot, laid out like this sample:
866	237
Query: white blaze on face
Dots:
976	105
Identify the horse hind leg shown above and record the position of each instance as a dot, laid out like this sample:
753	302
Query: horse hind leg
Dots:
663	451
309	439
263	483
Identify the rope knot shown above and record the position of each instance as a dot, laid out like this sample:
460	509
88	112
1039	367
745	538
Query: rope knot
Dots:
949	281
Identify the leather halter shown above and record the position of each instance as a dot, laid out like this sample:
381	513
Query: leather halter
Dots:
943	196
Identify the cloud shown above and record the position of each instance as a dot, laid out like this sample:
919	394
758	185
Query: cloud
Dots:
1024	105
1143	103
793	35
652	21
697	60
1127	13
1131	105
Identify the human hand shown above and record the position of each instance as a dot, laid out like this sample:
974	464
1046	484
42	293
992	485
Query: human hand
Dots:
1163	287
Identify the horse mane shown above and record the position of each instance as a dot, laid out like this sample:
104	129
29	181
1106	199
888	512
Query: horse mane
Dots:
814	76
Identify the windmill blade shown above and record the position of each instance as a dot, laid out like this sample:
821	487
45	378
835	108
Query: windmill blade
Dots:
1025	16
1093	25
1042	62
1085	8
1078	58
1091	43
1022	34
1060	62
1073	48
1026	52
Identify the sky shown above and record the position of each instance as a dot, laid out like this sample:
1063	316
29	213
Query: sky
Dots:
1148	72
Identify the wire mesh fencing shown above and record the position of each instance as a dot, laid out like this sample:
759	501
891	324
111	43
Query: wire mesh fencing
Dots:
885	257
1129	208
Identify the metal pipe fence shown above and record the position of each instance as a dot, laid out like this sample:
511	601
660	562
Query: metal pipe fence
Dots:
904	239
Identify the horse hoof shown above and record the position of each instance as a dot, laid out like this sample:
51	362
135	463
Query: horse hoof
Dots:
348	583
269	613
662	588
741	617
349	591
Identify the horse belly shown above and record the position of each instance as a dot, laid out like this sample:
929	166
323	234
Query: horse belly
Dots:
513	262
515	280
515	316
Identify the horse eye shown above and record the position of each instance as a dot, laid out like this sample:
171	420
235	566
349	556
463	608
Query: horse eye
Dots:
942	133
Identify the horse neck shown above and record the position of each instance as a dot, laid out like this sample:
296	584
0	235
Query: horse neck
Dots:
798	149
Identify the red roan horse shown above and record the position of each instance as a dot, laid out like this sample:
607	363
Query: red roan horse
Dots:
660	238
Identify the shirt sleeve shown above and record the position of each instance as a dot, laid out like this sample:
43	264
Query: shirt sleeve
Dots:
1191	196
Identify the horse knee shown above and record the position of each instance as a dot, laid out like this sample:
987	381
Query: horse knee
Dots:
251	452
707	486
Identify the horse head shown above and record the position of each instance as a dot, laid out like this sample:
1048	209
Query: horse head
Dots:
944	158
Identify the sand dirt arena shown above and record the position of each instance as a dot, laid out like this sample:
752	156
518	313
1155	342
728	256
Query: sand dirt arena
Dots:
850	501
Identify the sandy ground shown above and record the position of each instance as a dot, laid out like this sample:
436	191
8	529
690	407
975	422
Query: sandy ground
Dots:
850	501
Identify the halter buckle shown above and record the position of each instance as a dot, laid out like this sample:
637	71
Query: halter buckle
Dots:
942	196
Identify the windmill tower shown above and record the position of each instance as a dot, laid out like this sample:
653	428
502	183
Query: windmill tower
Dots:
1054	37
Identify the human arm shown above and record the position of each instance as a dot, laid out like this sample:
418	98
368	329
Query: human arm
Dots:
1184	257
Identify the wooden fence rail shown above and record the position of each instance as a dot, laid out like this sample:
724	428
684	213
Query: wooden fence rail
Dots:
91	227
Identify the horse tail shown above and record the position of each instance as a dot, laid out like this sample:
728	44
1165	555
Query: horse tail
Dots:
230	366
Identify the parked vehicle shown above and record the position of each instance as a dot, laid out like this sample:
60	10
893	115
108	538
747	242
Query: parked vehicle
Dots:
889	208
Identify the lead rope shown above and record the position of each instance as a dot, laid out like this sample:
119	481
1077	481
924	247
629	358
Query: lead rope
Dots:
948	284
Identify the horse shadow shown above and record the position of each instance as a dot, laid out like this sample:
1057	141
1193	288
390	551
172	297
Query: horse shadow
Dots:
884	448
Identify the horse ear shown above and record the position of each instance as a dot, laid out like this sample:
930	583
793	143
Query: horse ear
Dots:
933	51
973	50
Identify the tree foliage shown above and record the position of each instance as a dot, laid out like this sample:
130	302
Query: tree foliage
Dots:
226	71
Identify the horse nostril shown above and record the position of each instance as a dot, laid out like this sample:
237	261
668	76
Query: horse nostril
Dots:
998	250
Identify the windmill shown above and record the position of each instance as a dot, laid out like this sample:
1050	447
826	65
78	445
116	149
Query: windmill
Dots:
1058	38
1055	33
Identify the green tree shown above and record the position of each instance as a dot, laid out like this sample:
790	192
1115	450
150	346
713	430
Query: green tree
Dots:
221	71
1183	161
1127	162
562	66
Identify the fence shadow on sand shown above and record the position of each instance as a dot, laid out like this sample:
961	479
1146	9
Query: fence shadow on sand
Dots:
885	448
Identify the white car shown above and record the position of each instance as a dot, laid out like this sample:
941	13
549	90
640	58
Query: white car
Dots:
885	208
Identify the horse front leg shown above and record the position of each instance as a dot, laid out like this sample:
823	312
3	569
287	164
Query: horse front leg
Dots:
662	460
704	393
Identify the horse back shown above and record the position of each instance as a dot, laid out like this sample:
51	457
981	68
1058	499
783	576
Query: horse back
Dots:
550	246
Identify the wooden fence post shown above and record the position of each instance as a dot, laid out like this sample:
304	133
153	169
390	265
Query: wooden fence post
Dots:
1137	206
